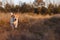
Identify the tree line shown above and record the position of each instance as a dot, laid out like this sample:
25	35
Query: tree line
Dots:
25	8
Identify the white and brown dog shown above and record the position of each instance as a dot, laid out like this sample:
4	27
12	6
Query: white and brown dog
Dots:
14	21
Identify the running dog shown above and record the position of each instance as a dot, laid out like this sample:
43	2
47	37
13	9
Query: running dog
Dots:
14	20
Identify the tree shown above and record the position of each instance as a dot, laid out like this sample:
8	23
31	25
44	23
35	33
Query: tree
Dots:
44	10
59	9
7	8
50	8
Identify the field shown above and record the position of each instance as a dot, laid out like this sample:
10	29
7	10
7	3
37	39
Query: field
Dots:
31	27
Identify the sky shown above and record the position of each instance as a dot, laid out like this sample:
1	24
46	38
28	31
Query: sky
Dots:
28	1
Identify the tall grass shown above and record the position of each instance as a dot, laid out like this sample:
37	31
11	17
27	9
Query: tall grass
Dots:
31	27
5	17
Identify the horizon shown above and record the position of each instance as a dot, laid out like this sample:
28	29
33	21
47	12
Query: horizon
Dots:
16	2
27	1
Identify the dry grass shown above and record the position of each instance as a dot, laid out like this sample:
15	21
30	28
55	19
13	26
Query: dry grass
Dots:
6	17
31	27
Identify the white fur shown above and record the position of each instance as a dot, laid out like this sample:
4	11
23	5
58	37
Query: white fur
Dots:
16	23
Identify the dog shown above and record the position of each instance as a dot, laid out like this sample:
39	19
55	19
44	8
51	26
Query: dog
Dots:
14	20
